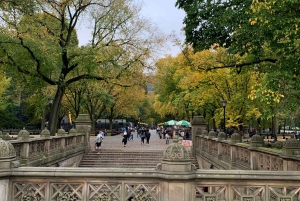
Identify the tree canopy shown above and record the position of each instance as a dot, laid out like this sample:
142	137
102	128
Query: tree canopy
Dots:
39	44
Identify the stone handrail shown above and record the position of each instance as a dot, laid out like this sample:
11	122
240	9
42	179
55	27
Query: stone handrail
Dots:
228	154
50	150
119	184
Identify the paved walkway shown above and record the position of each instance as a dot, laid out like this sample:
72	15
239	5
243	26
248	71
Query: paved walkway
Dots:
115	142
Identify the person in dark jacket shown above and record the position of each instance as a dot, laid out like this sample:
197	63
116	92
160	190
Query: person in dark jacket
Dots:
124	140
142	135
147	136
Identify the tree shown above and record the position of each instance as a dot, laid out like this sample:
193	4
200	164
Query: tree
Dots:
38	39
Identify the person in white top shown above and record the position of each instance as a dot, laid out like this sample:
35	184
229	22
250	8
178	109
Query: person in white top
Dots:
98	141
167	136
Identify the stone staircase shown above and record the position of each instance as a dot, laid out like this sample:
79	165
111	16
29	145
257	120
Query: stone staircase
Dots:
124	159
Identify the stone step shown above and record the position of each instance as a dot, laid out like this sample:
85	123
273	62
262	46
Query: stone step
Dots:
125	159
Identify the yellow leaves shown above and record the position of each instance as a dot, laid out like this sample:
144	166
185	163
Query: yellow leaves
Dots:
253	21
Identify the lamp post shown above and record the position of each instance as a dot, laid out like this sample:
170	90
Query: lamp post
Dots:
50	100
224	103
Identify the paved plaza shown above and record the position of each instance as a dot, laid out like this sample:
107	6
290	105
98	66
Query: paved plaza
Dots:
115	142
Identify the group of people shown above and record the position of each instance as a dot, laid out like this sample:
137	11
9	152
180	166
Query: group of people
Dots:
144	133
167	133
127	135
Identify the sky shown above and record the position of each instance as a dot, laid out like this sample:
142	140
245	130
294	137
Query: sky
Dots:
163	13
167	17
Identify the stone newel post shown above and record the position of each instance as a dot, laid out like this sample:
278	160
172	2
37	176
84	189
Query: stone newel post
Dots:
83	124
198	125
176	160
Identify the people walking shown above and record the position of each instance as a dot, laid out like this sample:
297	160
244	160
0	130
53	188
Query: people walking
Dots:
167	138
124	140
147	136
98	141
131	135
142	135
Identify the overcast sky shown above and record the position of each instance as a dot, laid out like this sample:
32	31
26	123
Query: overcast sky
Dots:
167	17
161	12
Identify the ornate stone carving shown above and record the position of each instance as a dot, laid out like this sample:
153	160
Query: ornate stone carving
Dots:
61	132
6	149
158	166
248	199
103	197
68	196
291	147
199	131
284	193
235	138
221	136
45	133
142	196
278	145
211	134
205	192
15	164
292	143
256	141
248	193
72	131
204	133
30	195
176	151
23	135
210	198
194	167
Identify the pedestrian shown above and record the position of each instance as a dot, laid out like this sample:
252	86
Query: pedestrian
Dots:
128	133
138	132
98	141
167	136
148	134
143	135
131	135
124	140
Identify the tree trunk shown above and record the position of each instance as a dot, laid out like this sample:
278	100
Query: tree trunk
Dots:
55	107
274	126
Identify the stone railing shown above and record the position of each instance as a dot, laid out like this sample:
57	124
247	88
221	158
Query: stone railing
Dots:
61	150
116	184
219	153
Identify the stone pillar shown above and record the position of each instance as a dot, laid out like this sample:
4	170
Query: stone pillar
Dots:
198	125
176	160
235	138
83	124
4	189
7	155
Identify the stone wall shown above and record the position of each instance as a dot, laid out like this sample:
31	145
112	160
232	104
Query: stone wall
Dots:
233	154
61	150
119	184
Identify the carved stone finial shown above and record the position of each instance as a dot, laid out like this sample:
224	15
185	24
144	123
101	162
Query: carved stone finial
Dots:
222	136
291	147
61	132
72	131
45	133
23	135
235	138
175	151
211	134
204	133
7	150
256	141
